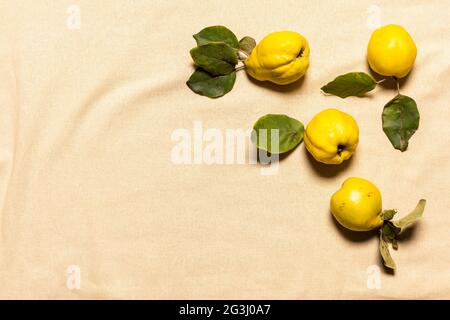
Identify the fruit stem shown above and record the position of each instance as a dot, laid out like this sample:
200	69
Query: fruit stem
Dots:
398	84
242	55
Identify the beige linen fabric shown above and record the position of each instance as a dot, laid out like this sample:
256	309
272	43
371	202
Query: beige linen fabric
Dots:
86	177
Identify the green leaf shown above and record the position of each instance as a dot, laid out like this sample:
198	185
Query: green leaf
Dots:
216	34
350	84
400	121
247	44
218	59
388	214
412	216
394	244
277	133
385	254
389	231
205	84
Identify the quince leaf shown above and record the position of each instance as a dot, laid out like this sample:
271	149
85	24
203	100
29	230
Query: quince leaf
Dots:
394	244
388	214
350	84
412	216
385	254
217	34
216	58
277	133
400	121
205	84
390	231
247	44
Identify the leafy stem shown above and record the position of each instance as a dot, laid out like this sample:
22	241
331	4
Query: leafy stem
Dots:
391	229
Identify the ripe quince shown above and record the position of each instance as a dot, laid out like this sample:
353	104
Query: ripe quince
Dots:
332	136
391	51
281	57
357	205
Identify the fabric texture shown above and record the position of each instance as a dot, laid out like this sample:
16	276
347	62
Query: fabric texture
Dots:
88	187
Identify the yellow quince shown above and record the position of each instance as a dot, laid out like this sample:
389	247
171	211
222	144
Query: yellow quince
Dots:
357	205
332	136
391	51
281	57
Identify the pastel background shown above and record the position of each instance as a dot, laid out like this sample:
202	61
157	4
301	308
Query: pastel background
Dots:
87	185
